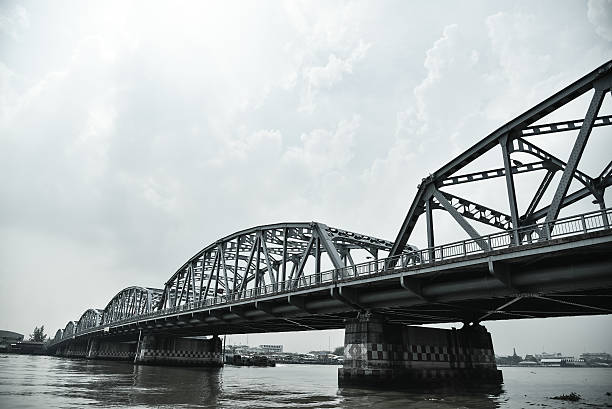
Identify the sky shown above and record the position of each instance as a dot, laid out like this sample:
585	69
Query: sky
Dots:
133	134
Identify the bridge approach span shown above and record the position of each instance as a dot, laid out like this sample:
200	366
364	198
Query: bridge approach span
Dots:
567	274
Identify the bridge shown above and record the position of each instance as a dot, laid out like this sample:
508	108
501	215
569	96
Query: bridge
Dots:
310	276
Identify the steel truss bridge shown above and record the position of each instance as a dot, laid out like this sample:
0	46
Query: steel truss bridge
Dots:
303	276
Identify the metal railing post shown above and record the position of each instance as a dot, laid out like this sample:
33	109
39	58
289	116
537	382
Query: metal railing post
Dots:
584	226
517	240
546	231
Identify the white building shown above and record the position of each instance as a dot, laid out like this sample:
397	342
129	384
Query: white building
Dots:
272	349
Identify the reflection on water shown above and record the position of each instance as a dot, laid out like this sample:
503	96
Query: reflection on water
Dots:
35	381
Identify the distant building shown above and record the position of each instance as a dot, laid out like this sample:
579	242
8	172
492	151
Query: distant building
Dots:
513	359
7	338
596	357
271	349
546	355
558	361
28	347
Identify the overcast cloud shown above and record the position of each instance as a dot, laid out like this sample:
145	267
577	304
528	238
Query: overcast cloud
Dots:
132	134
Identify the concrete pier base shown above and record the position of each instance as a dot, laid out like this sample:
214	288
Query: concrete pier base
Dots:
109	350
75	349
377	353
162	350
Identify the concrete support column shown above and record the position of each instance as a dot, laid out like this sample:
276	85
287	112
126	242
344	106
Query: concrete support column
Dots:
164	350
92	349
116	351
377	353
60	351
76	349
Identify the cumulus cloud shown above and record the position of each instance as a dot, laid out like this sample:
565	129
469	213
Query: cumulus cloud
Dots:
258	144
324	77
13	21
600	15
323	151
137	136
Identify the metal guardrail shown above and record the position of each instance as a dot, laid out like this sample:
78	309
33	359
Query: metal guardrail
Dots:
569	226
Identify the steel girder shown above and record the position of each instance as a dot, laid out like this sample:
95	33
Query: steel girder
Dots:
69	330
511	139
255	258
129	302
59	334
90	319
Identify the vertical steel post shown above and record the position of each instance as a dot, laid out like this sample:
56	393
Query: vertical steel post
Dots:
284	266
504	141
257	266
430	227
236	264
318	260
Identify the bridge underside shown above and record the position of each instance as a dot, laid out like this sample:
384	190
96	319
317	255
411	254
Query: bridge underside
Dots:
533	281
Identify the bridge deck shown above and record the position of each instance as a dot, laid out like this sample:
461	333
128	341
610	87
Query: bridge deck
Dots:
562	276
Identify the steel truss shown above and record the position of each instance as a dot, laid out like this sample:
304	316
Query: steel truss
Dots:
129	302
251	260
275	258
90	319
511	139
69	330
59	334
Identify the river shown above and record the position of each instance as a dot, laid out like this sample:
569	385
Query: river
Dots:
49	382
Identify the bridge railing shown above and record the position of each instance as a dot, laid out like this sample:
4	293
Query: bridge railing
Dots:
538	233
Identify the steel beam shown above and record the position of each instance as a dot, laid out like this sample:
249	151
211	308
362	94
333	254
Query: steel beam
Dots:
538	195
304	258
555	163
564	126
493	173
579	145
268	260
459	219
328	245
479	213
504	141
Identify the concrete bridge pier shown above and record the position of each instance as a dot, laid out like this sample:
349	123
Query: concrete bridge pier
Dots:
61	351
168	350
377	353
75	349
92	348
111	350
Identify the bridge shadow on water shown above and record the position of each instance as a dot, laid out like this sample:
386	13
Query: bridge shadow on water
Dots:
471	396
122	384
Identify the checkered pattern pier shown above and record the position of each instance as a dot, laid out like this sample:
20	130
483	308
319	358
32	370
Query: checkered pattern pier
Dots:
180	351
378	352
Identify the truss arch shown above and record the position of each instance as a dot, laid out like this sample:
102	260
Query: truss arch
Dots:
59	334
129	302
266	258
90	319
69	330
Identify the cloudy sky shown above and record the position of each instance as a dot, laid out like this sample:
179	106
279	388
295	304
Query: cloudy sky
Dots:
132	134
